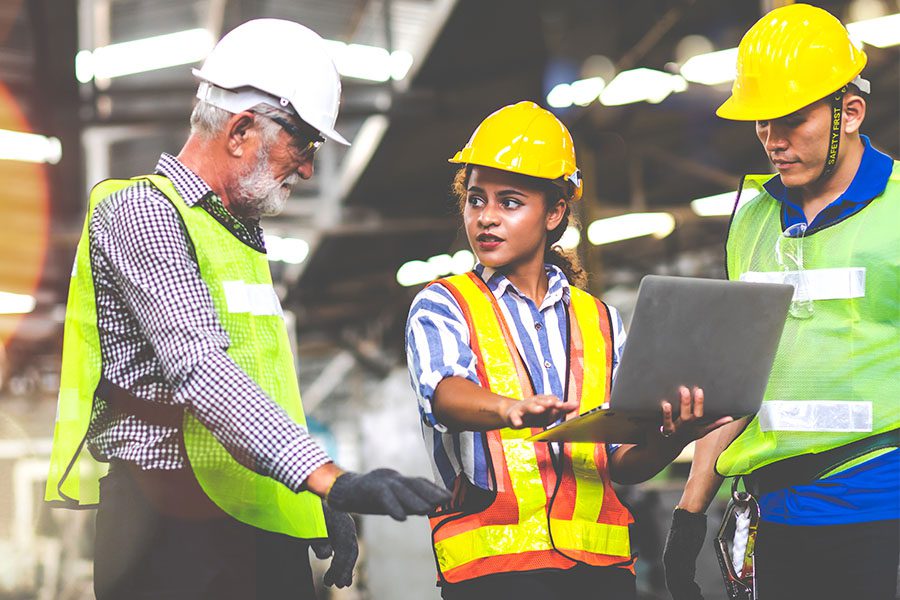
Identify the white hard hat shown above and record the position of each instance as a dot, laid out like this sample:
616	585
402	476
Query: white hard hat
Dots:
277	62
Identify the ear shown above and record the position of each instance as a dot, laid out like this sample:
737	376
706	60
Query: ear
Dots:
854	113
240	133
555	214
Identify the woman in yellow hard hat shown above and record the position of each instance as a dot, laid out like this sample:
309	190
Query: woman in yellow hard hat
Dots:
512	346
821	457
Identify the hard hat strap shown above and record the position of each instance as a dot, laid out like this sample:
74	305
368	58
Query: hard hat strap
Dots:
834	137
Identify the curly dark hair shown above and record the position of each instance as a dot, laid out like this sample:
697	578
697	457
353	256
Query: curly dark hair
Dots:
566	260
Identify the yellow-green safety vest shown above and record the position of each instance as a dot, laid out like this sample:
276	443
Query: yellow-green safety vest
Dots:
836	375
247	306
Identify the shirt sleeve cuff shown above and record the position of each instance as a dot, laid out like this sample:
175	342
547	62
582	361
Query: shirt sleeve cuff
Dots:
297	460
429	383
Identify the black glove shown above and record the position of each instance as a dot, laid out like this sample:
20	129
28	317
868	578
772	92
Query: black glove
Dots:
385	492
683	544
341	543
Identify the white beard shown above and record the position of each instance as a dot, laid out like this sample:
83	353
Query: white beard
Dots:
261	194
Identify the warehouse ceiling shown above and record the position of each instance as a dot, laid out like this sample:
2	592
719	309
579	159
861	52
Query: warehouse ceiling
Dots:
385	201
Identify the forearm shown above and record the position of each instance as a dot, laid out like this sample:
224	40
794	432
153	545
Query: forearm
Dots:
634	463
703	481
256	431
462	405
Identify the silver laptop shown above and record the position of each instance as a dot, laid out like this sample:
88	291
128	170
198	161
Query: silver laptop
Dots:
714	334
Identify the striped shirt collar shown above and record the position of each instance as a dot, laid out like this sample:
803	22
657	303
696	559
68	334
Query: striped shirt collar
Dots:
557	289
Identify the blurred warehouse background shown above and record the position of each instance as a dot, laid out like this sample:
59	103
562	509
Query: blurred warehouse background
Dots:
91	89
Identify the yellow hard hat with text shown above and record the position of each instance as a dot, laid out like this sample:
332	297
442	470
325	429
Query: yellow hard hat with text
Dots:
527	139
792	57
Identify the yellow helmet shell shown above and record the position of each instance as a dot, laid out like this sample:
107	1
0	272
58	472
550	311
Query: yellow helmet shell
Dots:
527	139
792	57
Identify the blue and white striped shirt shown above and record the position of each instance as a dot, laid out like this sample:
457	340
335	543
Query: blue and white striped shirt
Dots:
438	346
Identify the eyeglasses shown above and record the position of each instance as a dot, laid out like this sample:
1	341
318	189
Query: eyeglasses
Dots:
789	254
304	144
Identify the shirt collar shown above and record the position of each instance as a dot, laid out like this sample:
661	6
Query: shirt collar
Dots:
557	284
188	184
870	180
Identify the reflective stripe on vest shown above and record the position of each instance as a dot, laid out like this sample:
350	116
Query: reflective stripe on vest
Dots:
836	375
240	284
535	521
816	284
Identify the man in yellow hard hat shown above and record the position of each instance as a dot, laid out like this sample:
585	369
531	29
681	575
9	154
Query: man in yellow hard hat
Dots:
821	517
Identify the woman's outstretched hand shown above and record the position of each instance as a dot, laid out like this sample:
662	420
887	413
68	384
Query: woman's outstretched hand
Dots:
687	423
537	411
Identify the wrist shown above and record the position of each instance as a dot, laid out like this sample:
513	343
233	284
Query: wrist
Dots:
321	480
504	406
693	508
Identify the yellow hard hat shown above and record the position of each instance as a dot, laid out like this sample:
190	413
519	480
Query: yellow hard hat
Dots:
524	138
792	57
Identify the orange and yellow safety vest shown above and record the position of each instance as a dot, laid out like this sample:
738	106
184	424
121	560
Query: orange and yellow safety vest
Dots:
542	516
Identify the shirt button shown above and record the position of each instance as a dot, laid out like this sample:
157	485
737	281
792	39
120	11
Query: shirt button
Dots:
547	364
538	326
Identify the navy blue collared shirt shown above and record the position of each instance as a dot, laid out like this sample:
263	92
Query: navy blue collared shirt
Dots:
869	182
869	491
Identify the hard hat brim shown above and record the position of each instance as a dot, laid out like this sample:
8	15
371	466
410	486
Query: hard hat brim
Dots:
244	98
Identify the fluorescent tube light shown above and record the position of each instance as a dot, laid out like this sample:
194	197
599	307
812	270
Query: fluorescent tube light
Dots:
147	54
185	47
16	304
560	96
29	147
292	251
415	272
711	68
624	227
717	205
641	85
882	32
585	91
570	238
369	62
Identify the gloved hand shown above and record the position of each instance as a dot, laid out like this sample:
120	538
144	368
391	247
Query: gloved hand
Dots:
683	544
385	492
341	543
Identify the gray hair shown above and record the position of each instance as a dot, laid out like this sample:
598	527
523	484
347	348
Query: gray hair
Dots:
208	120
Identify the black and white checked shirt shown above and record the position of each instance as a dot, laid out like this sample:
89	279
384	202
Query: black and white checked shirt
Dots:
161	340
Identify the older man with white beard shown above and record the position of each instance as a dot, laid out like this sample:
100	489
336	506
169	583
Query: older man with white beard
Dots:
177	372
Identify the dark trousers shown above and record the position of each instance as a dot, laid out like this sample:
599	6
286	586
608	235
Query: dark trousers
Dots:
600	583
840	562
159	537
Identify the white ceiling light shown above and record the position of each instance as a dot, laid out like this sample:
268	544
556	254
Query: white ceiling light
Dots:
560	96
148	54
570	238
416	272
581	92
641	85
585	91
717	205
711	68
29	147
287	250
369	62
463	262
882	32
624	227
16	304
186	47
